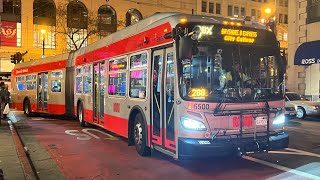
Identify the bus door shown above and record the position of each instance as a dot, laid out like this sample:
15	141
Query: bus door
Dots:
98	93
163	131
42	89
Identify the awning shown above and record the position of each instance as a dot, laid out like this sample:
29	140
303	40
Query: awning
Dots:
307	53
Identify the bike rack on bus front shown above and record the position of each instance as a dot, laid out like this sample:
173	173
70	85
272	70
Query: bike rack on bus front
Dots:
266	110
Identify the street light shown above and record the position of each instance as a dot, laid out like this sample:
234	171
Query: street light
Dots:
268	19
43	32
267	10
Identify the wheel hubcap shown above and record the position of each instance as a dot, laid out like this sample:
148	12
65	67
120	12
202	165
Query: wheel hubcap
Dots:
80	114
26	109
299	113
138	134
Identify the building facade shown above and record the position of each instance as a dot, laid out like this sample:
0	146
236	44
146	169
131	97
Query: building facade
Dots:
49	27
304	46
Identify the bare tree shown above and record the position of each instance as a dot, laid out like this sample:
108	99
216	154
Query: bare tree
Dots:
78	27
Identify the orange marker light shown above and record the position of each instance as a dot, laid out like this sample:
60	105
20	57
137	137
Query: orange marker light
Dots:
232	23
238	24
225	22
165	30
183	20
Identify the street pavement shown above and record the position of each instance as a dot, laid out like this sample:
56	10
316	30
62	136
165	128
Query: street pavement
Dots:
60	149
9	158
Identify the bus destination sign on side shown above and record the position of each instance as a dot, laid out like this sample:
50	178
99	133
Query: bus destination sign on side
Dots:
240	36
19	71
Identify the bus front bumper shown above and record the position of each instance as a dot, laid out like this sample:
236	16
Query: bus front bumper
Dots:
203	148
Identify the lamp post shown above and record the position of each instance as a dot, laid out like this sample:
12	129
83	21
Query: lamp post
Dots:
269	20
43	32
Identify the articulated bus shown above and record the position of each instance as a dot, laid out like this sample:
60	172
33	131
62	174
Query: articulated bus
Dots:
185	85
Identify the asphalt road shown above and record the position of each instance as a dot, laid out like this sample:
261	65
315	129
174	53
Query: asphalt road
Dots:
60	149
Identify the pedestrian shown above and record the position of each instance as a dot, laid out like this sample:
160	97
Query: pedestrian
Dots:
7	101
2	98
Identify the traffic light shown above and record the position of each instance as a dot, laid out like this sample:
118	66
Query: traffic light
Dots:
18	57
14	58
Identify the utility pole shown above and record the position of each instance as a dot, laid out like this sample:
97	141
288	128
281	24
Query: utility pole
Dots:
276	18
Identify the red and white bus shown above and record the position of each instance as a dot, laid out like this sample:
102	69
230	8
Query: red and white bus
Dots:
185	85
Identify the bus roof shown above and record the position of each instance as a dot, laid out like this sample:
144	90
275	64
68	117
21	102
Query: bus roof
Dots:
46	60
173	18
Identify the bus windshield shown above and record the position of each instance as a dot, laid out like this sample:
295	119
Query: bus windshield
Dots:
226	72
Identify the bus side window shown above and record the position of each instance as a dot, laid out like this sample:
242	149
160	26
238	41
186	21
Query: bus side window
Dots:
138	75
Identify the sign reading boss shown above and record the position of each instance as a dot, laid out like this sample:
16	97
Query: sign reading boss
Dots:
310	61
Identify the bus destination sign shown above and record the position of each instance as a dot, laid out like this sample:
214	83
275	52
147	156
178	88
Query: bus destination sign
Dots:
232	34
237	35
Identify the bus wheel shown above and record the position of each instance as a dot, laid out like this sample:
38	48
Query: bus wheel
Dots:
81	115
140	136
27	108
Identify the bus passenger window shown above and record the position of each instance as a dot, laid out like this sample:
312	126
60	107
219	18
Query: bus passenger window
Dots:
117	84
20	86
79	84
56	85
138	83
87	84
138	76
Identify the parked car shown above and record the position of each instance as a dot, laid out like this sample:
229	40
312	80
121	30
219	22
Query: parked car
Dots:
290	110
302	105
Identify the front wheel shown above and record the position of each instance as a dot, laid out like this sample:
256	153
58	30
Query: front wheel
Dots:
27	108
140	136
80	114
301	113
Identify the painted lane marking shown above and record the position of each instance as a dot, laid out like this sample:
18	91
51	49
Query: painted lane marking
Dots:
295	152
86	135
304	152
110	137
282	168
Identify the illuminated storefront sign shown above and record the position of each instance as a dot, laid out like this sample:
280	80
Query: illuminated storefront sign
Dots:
241	36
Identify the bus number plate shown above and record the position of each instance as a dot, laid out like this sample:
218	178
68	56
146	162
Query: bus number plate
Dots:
261	121
201	106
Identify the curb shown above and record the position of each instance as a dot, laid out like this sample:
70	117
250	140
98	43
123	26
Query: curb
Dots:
26	164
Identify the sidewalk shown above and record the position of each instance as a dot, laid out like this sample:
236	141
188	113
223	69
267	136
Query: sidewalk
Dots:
9	159
36	163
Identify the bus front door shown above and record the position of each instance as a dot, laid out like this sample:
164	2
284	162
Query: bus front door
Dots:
42	95
162	111
98	93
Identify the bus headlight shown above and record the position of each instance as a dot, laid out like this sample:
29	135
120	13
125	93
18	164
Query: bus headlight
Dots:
279	120
192	124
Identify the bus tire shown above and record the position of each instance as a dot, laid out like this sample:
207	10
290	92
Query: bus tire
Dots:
80	115
27	108
140	136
